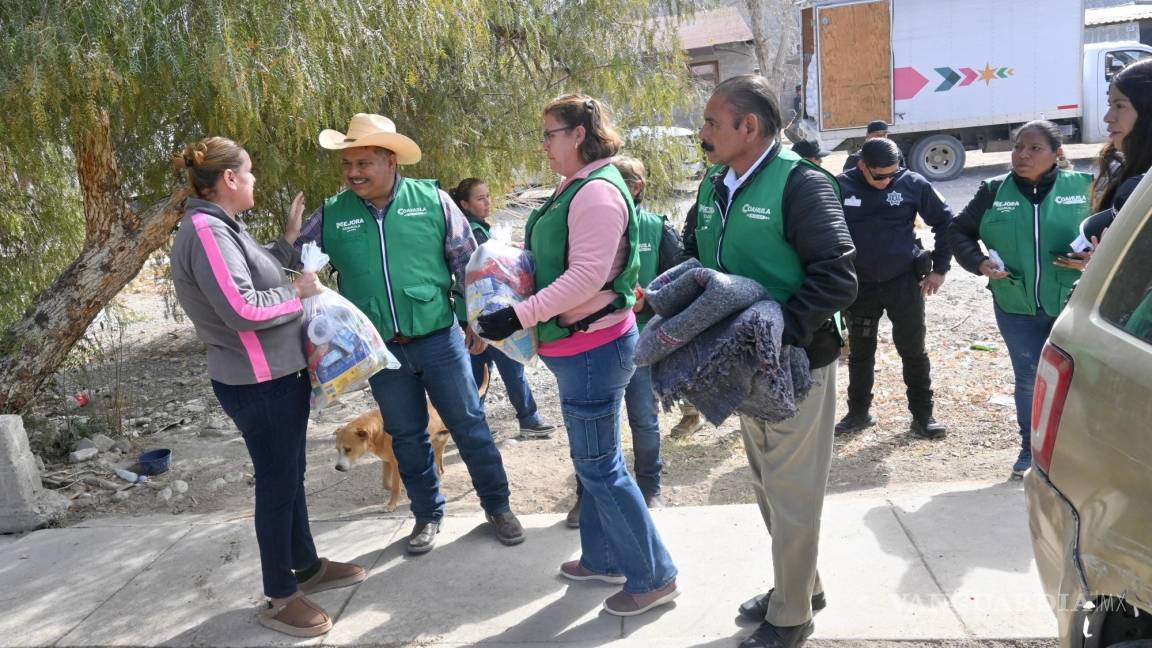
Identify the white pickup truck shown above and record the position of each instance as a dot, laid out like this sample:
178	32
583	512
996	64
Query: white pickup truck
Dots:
953	75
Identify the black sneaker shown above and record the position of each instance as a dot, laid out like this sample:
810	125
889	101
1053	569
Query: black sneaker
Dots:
507	527
755	608
653	501
928	428
423	537
539	430
854	422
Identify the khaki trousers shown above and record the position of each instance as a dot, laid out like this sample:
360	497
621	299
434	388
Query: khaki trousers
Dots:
790	462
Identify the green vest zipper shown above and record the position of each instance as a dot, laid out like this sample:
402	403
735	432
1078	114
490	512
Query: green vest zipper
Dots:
1023	234
407	295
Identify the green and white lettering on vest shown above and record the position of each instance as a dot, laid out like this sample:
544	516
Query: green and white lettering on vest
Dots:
546	235
746	239
1011	227
394	271
756	213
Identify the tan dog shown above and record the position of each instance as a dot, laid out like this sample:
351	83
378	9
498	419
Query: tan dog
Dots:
368	433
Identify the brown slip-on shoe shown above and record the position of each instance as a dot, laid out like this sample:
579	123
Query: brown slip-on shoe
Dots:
333	575
573	570
297	617
627	604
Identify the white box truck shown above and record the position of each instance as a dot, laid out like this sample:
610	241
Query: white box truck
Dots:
953	75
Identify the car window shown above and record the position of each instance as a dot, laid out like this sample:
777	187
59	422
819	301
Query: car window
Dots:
1128	302
1116	60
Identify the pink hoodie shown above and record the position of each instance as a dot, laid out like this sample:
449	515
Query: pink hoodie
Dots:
597	251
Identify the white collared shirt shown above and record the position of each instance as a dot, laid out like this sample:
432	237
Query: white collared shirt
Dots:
733	183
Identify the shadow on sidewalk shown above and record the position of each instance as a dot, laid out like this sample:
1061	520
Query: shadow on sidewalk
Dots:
957	534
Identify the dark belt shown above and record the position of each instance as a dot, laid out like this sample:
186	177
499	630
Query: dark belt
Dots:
404	339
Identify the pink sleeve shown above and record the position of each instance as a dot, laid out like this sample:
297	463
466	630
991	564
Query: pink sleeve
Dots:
597	220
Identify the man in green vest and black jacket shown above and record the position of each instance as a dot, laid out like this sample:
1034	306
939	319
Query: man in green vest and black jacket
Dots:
399	247
764	213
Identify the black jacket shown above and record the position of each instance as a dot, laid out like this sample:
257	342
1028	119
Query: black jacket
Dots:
964	234
883	221
814	226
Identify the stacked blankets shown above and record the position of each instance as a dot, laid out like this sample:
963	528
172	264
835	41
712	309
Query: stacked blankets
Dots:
715	342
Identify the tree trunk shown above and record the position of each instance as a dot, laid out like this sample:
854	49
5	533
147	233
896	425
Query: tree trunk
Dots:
759	39
116	245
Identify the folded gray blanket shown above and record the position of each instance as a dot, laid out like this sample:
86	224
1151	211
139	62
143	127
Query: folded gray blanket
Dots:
715	342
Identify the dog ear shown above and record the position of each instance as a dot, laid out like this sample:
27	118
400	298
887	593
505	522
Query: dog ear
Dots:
363	434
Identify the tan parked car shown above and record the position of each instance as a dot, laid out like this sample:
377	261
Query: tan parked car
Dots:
1090	491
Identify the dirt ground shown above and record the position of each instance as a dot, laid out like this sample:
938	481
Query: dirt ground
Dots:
157	367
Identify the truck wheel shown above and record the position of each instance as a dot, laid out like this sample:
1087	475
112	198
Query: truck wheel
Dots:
937	157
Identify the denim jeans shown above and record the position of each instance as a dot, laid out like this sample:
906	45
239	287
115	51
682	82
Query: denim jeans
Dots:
644	421
617	535
1024	336
512	374
273	419
438	364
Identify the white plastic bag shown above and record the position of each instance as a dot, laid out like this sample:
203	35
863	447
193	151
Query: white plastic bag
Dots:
498	275
343	347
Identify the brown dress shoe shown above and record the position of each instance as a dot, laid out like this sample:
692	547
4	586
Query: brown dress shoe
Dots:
296	617
333	575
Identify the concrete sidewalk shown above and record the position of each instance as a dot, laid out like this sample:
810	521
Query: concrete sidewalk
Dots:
939	562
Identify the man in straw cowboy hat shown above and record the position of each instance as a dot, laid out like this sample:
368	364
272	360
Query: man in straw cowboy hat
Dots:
399	246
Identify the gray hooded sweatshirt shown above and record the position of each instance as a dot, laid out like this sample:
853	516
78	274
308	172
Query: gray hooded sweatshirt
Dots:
238	297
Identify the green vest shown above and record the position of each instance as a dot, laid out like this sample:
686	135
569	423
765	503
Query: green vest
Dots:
748	240
546	235
394	272
651	232
480	228
1024	234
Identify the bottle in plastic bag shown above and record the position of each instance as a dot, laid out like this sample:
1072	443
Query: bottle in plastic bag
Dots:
343	347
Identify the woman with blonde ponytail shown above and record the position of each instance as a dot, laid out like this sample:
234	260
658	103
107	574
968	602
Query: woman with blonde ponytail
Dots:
248	313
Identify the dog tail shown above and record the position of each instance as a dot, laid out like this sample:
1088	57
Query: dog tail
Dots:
484	380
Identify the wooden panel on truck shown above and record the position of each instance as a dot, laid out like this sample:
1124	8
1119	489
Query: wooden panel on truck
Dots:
807	43
855	64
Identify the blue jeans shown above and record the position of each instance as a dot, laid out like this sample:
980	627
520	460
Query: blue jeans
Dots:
644	420
439	365
512	373
1025	336
617	535
273	418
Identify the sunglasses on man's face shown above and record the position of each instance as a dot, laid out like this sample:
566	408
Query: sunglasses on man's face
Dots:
879	177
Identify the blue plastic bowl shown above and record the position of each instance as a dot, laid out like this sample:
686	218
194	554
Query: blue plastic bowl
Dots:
155	462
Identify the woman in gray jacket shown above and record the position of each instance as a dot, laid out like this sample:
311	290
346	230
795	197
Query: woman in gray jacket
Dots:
248	314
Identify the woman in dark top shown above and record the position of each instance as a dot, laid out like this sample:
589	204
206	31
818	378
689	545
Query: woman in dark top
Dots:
1025	218
475	200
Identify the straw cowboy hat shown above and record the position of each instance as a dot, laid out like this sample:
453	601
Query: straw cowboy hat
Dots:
372	130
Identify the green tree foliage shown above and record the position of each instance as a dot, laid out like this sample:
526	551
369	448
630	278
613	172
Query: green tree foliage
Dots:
465	78
96	95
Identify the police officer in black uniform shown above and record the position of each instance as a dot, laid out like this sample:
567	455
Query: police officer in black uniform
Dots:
881	201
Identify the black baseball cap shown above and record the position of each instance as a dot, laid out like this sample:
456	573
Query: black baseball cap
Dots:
809	149
877	126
